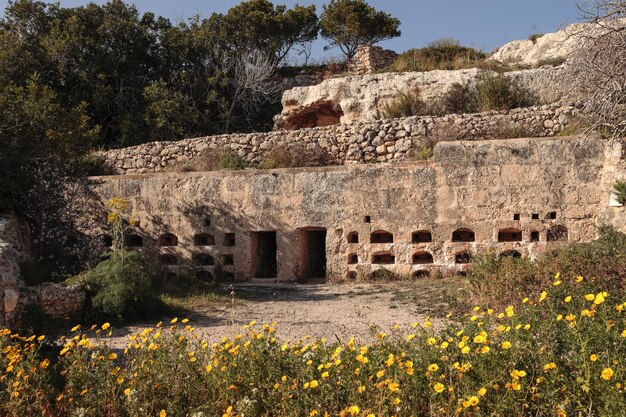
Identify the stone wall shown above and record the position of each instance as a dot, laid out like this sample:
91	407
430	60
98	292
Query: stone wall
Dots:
369	59
517	197
361	98
54	299
381	140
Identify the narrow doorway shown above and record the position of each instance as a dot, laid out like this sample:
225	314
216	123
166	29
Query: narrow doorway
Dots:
313	253
263	245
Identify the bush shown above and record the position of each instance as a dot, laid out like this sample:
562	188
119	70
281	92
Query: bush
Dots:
213	160
496	91
405	104
619	188
119	286
499	281
459	99
294	156
443	55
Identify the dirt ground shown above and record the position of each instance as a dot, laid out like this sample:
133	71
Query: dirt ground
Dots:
325	310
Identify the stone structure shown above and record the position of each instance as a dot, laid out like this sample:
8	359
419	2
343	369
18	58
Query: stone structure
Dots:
54	299
515	197
361	98
369	59
381	140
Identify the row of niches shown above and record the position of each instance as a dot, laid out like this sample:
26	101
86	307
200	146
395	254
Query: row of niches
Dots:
554	233
197	260
165	240
421	258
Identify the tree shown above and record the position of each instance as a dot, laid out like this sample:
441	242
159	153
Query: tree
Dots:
599	67
349	24
259	25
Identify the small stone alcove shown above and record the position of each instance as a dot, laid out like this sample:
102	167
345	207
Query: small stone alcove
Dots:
383	258
168	260
353	259
202	259
422	236
204	239
510	235
422	258
133	241
463	235
167	239
381	236
557	233
353	237
462	258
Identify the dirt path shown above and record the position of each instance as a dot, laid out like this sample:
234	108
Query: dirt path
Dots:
326	310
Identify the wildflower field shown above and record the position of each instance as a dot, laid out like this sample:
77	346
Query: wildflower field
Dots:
560	353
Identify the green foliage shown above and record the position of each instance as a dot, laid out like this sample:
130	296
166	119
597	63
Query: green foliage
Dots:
405	104
496	91
619	188
293	157
459	99
120	288
260	25
231	161
349	24
499	281
440	55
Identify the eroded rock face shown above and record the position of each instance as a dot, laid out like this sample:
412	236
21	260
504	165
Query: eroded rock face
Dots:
361	98
550	47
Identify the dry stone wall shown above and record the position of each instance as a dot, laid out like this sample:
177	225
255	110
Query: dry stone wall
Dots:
515	197
55	300
369	59
377	141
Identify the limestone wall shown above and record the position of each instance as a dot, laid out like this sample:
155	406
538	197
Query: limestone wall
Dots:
548	190
381	140
369	59
54	299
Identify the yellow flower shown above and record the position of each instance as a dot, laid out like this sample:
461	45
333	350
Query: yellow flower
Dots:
439	387
380	373
325	374
106	326
480	338
431	341
395	401
607	373
433	367
113	356
482	392
589	297
485	349
473	400
570	317
361	388
599	299
568	299
313	383
518	374
174	320
162	413
543	296
549	366
593	357
557	283
353	410
623	334
410	337
394	386
505	345
313	413
579	278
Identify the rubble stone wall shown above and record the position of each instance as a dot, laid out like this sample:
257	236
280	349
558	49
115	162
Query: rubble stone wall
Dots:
376	141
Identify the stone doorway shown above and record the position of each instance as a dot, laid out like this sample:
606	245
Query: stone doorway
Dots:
263	245
312	253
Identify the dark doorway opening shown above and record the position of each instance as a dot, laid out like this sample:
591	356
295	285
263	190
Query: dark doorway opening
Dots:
313	253
264	254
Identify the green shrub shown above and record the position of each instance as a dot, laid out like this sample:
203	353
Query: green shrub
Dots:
459	99
619	188
496	91
499	281
230	161
119	287
92	165
438	56
294	156
405	104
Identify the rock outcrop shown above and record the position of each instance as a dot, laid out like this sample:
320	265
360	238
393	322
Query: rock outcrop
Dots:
361	98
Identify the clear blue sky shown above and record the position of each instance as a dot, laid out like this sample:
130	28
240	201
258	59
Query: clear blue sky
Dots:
484	24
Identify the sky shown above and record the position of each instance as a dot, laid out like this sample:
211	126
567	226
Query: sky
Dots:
482	24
